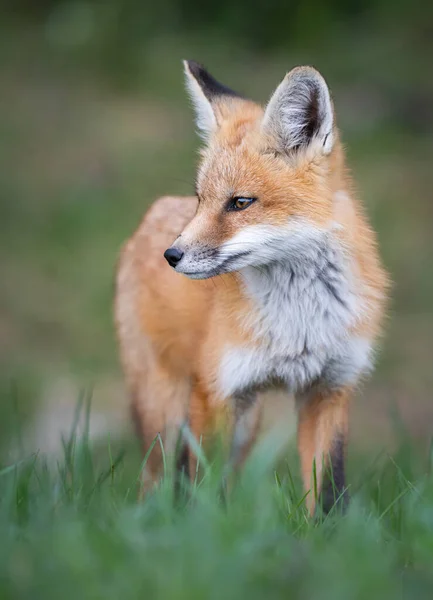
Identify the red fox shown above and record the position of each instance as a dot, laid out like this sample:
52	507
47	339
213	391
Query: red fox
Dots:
273	280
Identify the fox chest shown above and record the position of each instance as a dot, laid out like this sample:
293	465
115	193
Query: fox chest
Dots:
300	331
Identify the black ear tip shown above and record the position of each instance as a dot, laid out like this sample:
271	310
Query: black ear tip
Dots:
195	68
210	86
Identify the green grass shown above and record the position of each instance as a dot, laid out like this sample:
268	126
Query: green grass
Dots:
72	528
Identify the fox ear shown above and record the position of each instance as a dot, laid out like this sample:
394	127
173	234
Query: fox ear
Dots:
206	94
300	112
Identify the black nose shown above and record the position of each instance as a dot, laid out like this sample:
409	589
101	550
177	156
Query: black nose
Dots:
173	256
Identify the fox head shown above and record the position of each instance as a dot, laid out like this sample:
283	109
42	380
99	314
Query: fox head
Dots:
264	183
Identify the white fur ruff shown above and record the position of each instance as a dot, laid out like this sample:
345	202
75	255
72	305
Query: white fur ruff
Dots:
307	304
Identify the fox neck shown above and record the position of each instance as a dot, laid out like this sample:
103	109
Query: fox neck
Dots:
304	301
301	327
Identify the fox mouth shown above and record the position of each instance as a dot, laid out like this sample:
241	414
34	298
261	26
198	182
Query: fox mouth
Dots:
219	269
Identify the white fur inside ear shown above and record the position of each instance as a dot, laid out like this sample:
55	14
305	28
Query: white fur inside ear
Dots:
205	116
300	111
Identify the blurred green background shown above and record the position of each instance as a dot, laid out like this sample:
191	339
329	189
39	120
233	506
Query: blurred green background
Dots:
95	124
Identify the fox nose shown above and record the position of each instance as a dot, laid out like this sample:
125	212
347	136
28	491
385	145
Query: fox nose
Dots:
173	256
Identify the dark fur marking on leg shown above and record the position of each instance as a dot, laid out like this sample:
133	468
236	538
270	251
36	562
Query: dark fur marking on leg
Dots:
182	473
136	419
335	480
244	428
243	400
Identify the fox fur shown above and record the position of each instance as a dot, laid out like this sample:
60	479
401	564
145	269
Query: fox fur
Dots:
275	282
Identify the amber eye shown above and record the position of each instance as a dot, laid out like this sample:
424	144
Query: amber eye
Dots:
240	203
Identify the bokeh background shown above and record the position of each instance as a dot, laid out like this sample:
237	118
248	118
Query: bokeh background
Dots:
95	124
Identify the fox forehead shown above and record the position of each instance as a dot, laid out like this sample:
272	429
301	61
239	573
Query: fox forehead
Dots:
249	170
227	171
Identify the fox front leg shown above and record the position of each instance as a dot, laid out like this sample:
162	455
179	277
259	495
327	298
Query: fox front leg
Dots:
322	439
246	419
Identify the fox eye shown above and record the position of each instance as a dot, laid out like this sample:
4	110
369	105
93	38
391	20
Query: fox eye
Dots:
240	203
